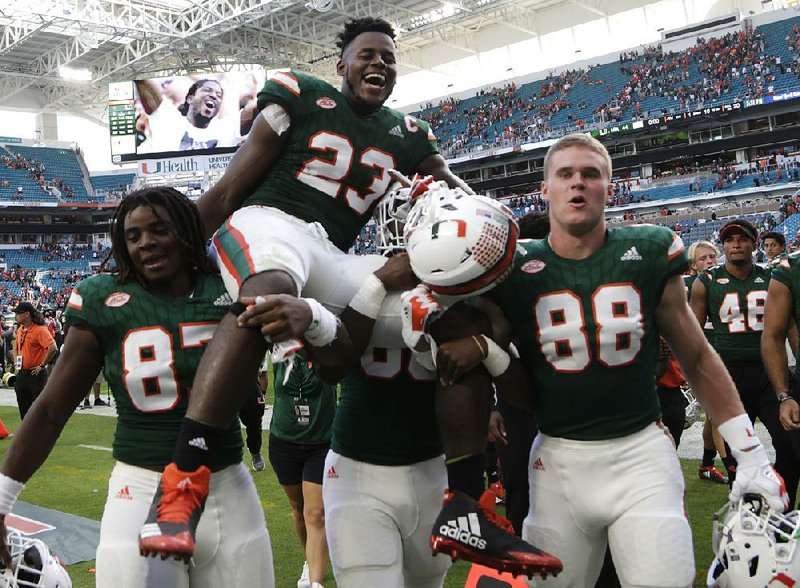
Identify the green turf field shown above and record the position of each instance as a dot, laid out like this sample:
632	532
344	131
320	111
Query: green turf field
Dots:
68	479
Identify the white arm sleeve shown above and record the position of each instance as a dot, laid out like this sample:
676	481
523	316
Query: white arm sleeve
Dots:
277	118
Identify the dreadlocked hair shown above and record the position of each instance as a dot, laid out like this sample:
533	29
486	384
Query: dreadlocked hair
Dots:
184	221
184	108
355	27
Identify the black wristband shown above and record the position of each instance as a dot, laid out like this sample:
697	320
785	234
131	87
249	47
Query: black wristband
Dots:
237	308
783	397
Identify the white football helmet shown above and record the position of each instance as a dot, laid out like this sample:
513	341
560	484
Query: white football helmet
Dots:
459	244
33	565
692	409
756	546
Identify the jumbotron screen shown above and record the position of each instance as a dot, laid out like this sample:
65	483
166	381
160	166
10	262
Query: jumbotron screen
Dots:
206	113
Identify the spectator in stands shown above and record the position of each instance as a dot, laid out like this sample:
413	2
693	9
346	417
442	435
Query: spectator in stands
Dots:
34	349
774	244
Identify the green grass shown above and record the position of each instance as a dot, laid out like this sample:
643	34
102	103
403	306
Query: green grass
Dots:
68	478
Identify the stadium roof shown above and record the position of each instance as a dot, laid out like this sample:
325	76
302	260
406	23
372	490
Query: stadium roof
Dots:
112	40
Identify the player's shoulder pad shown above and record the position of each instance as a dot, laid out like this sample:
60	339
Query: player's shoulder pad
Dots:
787	262
92	290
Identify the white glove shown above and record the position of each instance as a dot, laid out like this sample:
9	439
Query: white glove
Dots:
754	472
420	309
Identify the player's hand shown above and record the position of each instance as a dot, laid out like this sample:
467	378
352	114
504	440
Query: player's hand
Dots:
36	370
790	414
457	357
280	316
396	274
497	428
416	186
5	554
760	479
420	308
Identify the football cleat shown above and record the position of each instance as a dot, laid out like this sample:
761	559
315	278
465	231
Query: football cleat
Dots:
305	577
100	402
174	513
258	462
712	474
472	531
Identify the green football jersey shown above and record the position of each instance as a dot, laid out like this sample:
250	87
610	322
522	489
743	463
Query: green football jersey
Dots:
386	413
787	271
736	309
151	346
708	328
586	330
304	405
334	165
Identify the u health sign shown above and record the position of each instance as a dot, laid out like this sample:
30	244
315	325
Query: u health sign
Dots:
184	165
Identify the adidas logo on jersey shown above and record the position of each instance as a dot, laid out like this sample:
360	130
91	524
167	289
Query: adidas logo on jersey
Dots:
199	442
124	494
631	255
466	530
224	300
396	131
538	465
332	475
758	281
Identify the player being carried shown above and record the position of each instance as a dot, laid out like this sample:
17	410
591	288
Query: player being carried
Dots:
147	326
295	196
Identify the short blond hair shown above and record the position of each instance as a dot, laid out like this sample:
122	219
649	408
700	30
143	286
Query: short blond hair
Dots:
582	141
692	251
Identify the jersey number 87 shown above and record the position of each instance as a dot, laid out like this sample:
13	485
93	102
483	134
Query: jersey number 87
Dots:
148	363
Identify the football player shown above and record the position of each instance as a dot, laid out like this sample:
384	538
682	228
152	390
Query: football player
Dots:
315	163
488	538
783	306
733	296
703	256
147	326
587	305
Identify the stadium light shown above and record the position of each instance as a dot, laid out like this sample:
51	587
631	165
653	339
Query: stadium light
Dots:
79	75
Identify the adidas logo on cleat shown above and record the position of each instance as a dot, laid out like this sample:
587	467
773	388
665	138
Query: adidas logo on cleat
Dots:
631	255
467	531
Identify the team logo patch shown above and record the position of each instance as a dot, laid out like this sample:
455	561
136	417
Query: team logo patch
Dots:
117	299
534	266
326	103
722	280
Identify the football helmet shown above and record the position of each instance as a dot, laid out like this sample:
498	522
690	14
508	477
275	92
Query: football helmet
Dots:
392	211
692	409
33	566
459	244
755	546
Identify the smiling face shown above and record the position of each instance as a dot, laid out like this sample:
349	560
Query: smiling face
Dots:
155	251
205	103
369	70
577	187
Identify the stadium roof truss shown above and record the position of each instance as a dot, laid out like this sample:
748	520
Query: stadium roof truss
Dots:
131	39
